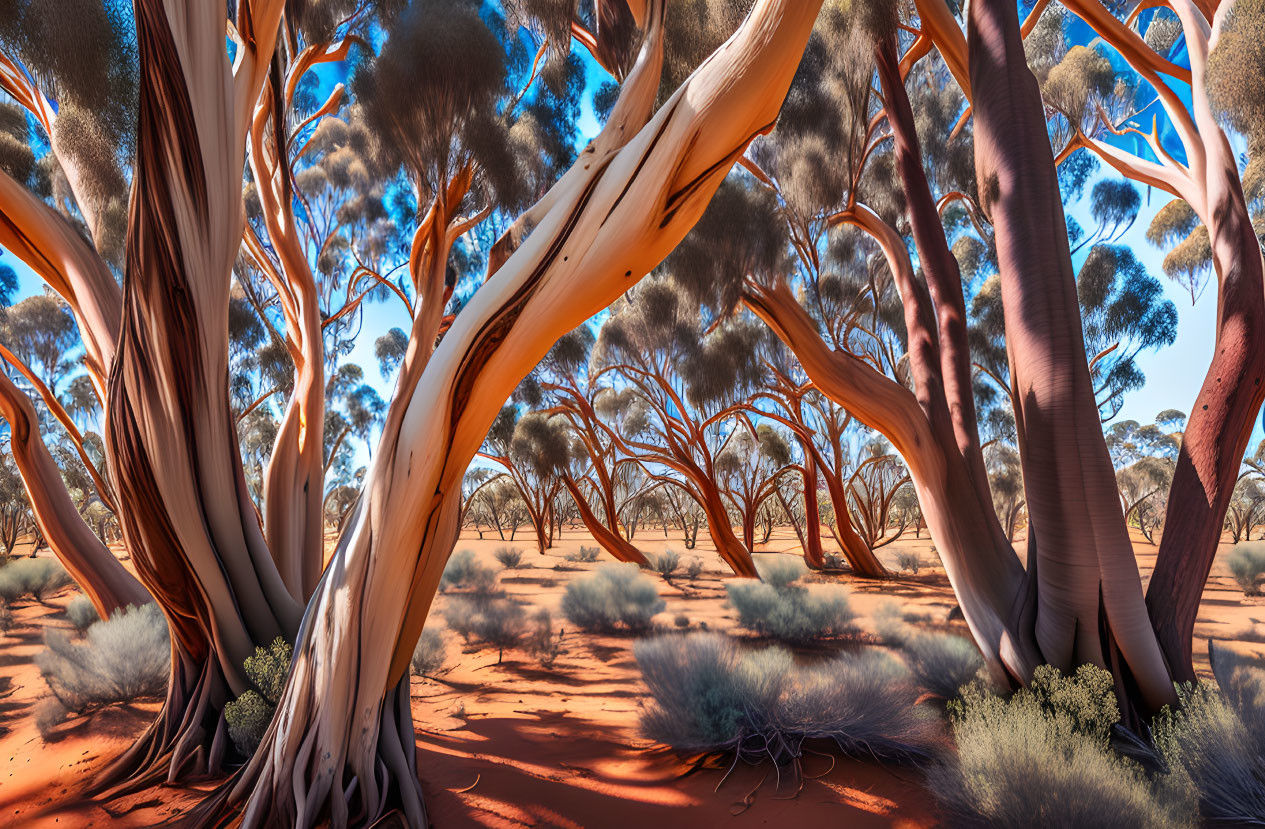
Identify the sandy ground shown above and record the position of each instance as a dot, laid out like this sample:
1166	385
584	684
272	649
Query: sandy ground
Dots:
517	744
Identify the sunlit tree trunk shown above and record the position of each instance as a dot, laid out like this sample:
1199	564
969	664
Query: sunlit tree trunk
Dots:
627	202
185	511
609	540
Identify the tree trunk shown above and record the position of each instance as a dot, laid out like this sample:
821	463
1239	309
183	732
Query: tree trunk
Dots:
734	552
336	755
1225	410
170	435
813	556
610	540
1088	593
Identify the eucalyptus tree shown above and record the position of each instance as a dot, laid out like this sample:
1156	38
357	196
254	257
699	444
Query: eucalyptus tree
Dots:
156	347
749	469
692	384
534	450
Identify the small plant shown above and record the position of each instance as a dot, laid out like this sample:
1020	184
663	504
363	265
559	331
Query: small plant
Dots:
511	558
941	662
465	572
125	659
1042	757
779	607
540	640
681	620
616	596
38	578
693	568
81	613
666	564
910	561
248	716
6	617
708	696
489	620
1247	564
429	653
586	554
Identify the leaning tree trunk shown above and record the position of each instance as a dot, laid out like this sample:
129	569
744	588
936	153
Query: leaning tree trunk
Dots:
340	753
1224	413
105	581
860	557
1089	603
610	540
170	436
728	546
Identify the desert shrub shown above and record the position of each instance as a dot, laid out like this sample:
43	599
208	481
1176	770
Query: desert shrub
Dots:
941	662
910	561
1247	564
540	640
889	624
248	716
121	660
81	613
1217	738
832	561
693	568
49	713
665	564
681	620
708	695
1042	758
779	607
615	596
34	577
6	617
465	572
511	558
429	653
586	554
489	620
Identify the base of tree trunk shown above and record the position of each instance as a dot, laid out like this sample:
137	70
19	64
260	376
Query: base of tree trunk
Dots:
188	740
295	780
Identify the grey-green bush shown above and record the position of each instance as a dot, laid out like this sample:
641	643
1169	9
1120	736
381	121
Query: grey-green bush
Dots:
941	662
1042	758
540	640
488	620
248	716
81	613
616	596
125	659
909	561
1217	738
708	695
430	652
665	564
1247	563
511	558
465	572
778	607
35	577
889	624
49	713
585	554
6	617
693	568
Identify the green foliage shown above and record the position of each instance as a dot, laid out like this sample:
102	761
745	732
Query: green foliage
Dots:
464	572
248	716
779	607
1247	563
941	662
1042	758
429	653
708	695
34	577
122	660
511	558
585	554
616	596
81	613
1236	69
